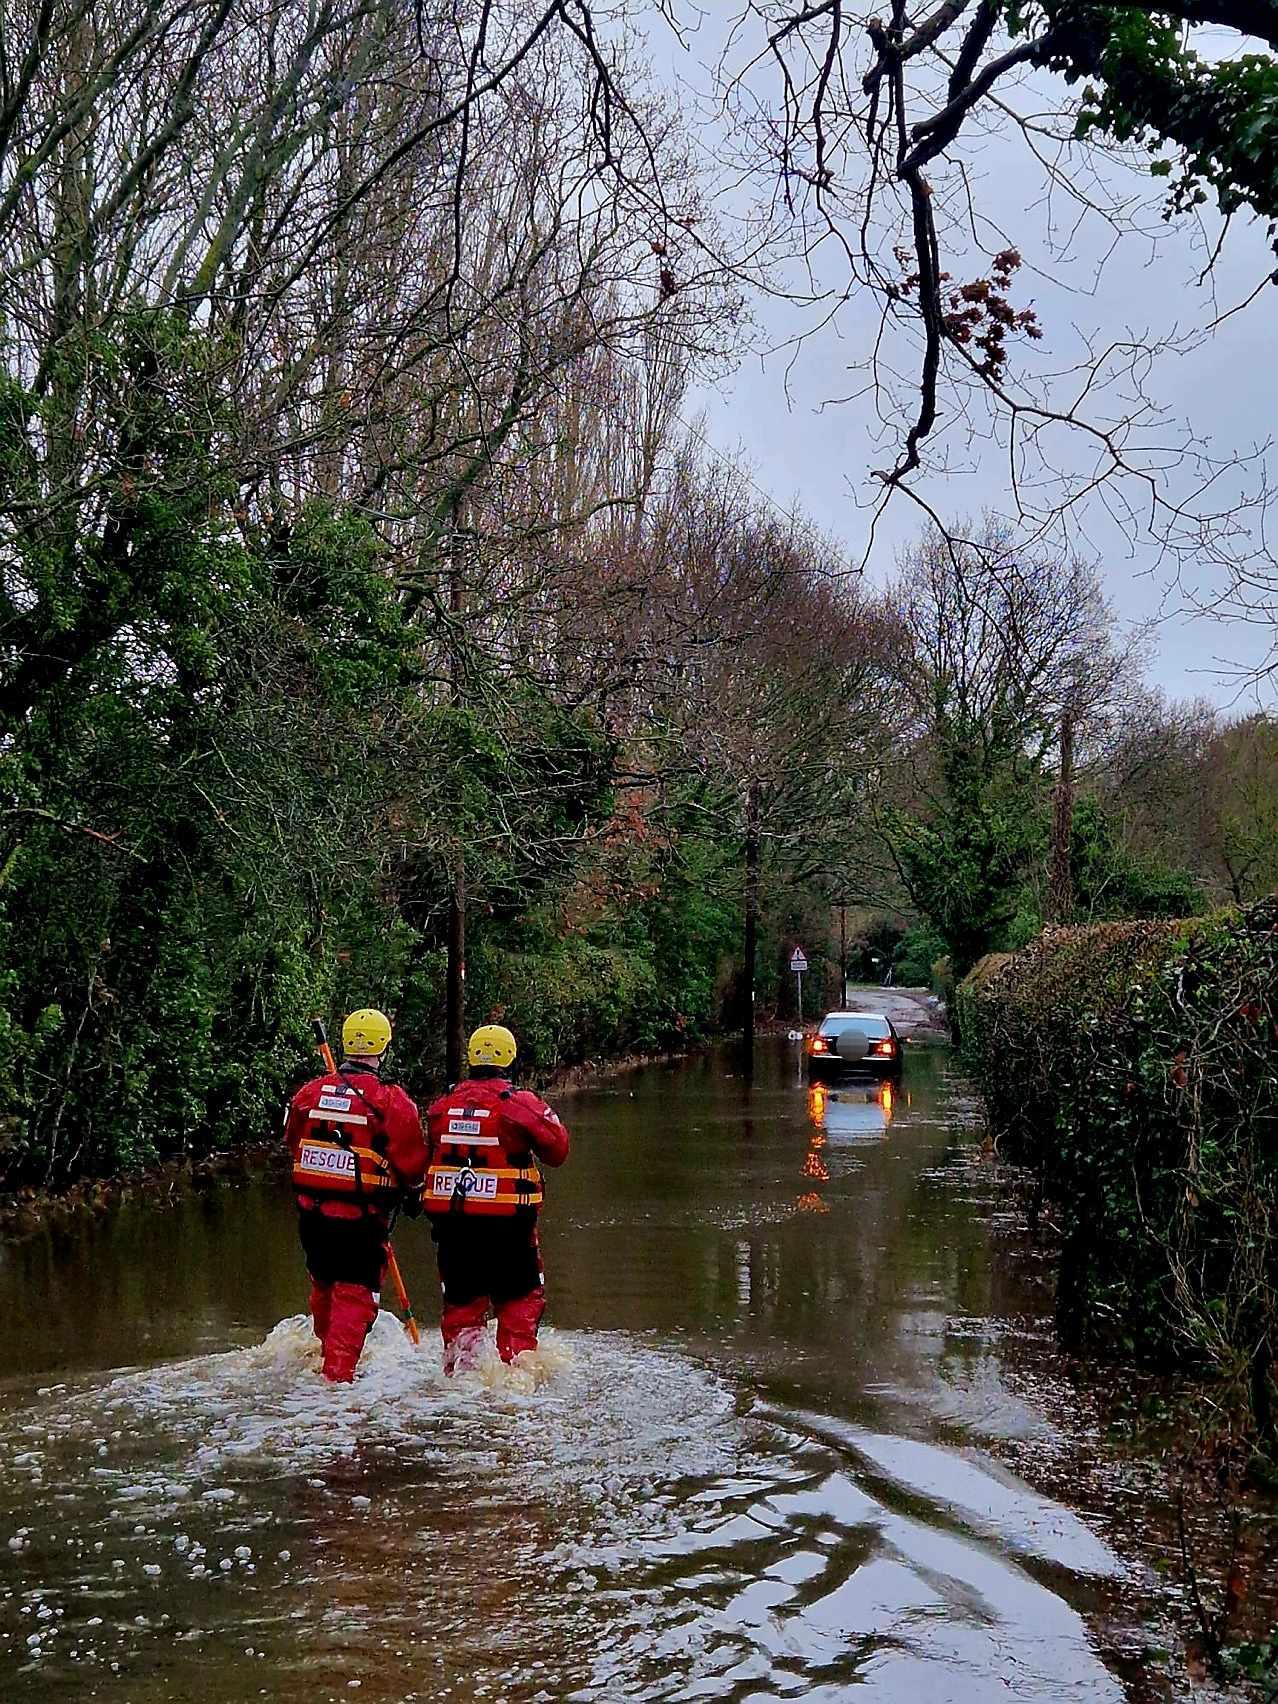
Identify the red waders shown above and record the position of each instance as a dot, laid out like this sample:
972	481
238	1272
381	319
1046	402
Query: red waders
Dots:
483	1269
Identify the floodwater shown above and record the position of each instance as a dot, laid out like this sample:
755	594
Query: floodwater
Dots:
756	1458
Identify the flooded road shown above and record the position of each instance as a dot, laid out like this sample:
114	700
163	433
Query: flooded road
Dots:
757	1460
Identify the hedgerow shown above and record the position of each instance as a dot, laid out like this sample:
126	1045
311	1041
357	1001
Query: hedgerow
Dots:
1134	1069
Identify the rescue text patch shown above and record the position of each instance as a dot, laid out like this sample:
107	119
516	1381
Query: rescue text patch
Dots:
477	1183
334	1162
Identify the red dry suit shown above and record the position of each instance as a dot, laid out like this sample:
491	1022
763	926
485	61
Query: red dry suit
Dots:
483	1193
357	1150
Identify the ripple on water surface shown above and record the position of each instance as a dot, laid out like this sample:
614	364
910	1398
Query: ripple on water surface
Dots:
605	1521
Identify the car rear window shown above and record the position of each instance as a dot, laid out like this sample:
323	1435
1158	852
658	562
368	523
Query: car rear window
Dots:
867	1026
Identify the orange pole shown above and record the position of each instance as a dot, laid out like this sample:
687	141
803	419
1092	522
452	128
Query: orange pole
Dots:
397	1279
392	1265
321	1042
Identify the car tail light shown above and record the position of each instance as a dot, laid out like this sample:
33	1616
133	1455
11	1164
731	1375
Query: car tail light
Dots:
818	1044
884	1049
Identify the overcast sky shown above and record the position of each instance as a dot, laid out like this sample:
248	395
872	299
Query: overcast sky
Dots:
774	408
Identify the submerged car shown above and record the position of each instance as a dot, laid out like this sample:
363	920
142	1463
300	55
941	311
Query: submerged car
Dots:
854	1043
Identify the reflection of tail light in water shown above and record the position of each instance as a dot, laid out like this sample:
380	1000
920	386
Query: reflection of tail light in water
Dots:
885	1101
815	1167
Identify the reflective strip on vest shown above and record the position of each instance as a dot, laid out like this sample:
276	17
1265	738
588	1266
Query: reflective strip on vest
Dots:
467	1133
335	1114
495	1190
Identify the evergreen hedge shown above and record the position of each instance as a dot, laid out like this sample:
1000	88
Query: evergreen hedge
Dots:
1133	1067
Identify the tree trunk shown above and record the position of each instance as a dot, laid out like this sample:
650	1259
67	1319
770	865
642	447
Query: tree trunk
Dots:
751	922
455	1019
1060	894
455	985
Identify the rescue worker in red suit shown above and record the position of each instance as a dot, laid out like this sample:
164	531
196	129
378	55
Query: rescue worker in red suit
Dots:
483	1193
358	1155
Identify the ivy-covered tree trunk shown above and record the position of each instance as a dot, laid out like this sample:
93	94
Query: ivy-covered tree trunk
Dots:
750	942
1060	878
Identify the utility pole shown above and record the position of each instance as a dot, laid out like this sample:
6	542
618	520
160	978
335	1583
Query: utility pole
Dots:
753	808
455	980
1060	883
843	955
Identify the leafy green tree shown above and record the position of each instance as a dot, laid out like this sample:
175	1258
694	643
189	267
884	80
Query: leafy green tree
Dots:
964	865
920	951
1147	82
1111	882
994	645
215	798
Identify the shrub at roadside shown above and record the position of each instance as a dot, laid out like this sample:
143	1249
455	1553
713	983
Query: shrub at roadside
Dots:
1134	1068
921	948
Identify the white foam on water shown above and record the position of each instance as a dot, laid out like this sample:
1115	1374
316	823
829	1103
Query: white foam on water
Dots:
575	1452
597	1414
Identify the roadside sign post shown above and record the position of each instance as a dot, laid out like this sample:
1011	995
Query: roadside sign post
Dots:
798	964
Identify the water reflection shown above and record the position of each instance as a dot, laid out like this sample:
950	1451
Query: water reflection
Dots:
851	1112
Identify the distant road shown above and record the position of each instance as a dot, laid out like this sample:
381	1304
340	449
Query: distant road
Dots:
908	1008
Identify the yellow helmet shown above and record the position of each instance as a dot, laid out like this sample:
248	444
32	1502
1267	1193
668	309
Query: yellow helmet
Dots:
366	1033
492	1044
